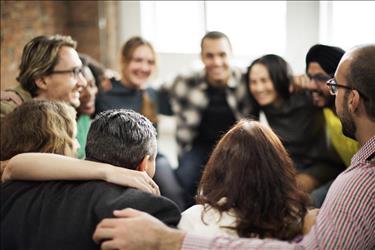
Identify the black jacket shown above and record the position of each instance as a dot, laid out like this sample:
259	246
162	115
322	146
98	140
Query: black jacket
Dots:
64	214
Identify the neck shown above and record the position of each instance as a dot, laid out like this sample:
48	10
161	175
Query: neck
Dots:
365	130
217	84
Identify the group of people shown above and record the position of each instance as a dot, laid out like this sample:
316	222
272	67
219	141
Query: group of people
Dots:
257	150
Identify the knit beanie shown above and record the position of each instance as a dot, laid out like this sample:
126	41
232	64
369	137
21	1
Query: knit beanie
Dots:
328	57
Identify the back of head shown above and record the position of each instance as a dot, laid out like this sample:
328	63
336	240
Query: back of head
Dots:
38	126
39	57
214	35
251	168
328	57
361	75
280	73
121	137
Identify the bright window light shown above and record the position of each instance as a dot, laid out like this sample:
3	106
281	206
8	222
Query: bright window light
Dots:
348	23
178	26
252	26
173	26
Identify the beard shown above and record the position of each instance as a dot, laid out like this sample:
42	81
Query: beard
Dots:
348	125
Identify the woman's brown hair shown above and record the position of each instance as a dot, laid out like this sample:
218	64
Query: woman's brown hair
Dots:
252	170
38	126
130	46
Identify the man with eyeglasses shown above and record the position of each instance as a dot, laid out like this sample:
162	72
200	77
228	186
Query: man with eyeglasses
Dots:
347	217
321	64
50	69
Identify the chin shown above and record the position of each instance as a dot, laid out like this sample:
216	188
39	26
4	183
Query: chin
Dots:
75	103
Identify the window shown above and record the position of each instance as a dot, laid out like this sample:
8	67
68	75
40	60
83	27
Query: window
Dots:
178	26
253	27
173	26
346	24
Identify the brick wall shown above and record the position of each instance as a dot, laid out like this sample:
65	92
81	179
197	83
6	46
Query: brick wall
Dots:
23	20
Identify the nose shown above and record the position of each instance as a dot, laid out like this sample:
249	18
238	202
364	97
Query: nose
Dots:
81	81
217	61
314	85
146	67
256	86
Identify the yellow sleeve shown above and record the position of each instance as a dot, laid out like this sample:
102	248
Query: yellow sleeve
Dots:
345	146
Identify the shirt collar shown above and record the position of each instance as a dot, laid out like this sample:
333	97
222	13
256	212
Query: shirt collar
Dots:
233	81
364	152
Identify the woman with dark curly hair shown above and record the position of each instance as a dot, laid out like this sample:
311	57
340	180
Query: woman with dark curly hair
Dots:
248	188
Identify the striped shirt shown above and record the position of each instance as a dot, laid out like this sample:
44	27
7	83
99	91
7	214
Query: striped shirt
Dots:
345	221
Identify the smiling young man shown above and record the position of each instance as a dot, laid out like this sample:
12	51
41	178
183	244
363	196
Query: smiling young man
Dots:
206	104
50	69
321	64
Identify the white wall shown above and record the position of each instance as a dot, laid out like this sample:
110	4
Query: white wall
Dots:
302	31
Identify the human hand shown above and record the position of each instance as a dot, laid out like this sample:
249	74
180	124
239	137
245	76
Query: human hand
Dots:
3	165
11	96
306	182
136	230
310	220
131	178
300	83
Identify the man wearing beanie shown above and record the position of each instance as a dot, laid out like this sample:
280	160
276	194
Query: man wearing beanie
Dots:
321	64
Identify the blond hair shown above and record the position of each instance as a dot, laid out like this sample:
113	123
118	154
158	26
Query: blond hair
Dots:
38	126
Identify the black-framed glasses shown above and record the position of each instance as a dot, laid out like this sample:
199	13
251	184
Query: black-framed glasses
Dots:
333	87
75	72
319	77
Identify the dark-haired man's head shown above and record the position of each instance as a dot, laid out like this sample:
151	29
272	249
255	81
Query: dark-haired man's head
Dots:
355	92
321	64
50	69
216	51
123	138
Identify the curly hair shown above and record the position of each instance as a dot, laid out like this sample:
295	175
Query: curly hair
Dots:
252	170
38	126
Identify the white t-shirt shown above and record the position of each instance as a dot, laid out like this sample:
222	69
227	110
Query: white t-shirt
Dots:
191	221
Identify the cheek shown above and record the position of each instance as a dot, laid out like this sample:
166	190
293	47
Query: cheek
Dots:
252	88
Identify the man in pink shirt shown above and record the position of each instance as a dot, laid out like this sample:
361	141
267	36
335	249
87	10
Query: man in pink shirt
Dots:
347	217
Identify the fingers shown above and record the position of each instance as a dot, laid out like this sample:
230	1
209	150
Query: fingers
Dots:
301	82
109	245
154	186
127	212
103	232
150	184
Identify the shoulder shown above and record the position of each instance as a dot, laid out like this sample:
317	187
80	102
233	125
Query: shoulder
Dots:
190	79
192	211
13	97
113	197
355	186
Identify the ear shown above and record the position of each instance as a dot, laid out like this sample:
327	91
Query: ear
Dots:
143	165
41	83
353	101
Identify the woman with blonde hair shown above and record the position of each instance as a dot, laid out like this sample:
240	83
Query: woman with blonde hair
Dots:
248	188
39	126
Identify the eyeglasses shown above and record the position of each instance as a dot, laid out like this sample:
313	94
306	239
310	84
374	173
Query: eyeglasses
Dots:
319	77
333	88
75	72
